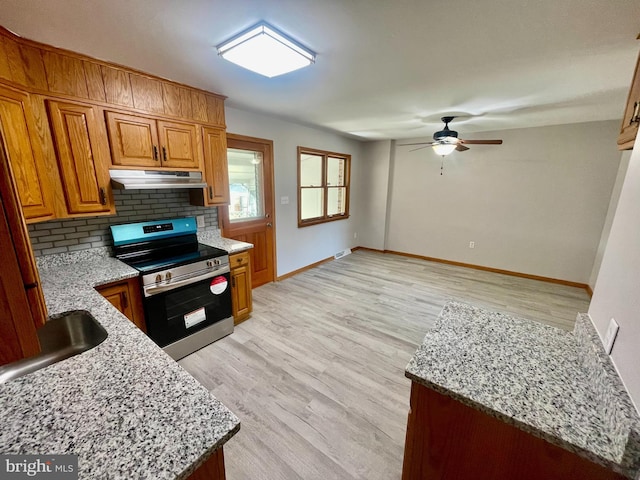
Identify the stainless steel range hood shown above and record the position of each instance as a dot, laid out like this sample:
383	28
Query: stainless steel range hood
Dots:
147	179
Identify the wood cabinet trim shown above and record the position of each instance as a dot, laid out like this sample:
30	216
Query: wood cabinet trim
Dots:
628	128
206	107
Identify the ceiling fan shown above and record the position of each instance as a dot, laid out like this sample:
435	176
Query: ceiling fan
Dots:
446	141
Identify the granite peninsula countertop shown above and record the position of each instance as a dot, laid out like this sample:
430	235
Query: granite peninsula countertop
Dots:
559	386
125	407
212	238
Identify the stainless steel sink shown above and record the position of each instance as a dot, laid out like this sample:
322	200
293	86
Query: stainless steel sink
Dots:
63	336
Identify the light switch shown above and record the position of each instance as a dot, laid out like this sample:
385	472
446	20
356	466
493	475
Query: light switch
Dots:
284	200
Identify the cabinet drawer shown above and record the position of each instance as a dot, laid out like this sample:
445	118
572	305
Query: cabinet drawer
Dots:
238	260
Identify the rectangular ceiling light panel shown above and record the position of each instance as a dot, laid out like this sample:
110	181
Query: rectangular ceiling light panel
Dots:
263	50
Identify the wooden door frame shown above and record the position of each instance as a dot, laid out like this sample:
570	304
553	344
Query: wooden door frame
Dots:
268	177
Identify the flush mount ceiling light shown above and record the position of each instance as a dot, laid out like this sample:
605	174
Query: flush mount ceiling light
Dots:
264	50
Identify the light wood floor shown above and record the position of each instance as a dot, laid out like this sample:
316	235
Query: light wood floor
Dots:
316	375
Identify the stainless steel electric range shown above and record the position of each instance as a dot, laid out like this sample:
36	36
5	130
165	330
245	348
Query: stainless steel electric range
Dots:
185	284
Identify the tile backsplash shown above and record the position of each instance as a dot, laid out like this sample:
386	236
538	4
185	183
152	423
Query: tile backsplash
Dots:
59	236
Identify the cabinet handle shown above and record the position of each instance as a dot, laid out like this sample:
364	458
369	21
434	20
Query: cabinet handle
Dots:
210	192
103	196
155	152
164	153
635	116
125	300
233	282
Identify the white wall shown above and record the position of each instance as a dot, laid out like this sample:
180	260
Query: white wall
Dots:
373	183
613	204
535	204
617	290
299	247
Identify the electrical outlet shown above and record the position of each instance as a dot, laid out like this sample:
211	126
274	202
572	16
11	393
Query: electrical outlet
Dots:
284	200
200	221
472	244
355	235
610	337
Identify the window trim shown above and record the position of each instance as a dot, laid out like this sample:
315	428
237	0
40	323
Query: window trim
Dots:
325	188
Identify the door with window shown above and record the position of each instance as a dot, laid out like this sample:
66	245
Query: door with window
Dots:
249	215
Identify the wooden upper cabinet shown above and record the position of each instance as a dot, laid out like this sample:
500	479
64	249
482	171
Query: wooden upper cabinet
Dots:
147	94
179	145
83	157
215	166
25	155
631	118
138	141
133	139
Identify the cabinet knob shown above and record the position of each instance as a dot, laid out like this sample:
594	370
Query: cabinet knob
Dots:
103	196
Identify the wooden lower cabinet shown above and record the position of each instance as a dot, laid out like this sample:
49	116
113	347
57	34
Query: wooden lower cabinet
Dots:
125	296
241	301
449	440
212	469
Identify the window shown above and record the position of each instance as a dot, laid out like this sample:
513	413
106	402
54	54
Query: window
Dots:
323	186
245	185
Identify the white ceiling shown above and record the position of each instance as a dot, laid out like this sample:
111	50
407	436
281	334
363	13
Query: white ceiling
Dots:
385	68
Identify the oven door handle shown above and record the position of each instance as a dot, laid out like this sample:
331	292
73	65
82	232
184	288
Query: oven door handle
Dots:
155	289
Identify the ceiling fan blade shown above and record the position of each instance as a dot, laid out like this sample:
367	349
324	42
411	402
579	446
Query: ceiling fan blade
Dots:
461	148
409	144
482	142
419	148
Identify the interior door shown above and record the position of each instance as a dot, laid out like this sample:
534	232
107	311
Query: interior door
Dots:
249	217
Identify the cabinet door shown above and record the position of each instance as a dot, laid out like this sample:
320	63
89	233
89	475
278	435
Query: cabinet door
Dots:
125	296
179	145
631	119
241	300
27	163
19	318
215	166
83	157
133	139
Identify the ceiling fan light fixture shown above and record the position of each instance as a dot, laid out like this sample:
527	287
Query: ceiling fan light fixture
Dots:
443	148
264	50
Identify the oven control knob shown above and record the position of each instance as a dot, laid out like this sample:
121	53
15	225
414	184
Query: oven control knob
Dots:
158	278
216	261
209	264
167	277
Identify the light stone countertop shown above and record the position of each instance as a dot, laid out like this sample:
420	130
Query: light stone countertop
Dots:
125	407
212	237
559	386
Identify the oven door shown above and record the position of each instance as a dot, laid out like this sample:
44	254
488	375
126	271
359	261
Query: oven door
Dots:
177	313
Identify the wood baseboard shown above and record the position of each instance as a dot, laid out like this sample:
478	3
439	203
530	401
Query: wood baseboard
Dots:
486	269
557	281
303	269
